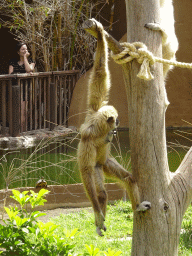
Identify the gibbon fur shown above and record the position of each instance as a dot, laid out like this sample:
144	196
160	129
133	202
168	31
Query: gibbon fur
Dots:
169	39
96	134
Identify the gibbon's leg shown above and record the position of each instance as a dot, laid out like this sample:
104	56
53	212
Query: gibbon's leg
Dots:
114	170
101	192
88	178
101	195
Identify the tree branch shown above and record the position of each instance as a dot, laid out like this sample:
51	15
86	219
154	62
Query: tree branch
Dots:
183	176
90	27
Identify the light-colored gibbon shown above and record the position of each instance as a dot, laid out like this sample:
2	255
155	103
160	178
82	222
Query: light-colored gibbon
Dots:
96	134
169	39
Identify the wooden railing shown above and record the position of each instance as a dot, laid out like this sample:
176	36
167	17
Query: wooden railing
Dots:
37	101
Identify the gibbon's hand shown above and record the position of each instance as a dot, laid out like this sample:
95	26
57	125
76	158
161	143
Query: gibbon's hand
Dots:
154	26
144	206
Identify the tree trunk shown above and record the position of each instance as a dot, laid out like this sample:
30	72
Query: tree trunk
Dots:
156	231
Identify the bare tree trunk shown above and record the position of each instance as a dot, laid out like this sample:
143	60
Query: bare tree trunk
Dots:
155	232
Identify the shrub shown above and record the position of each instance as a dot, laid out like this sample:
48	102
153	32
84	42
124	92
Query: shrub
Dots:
22	234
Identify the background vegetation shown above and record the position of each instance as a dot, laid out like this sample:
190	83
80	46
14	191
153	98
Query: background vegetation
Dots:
73	233
52	29
55	159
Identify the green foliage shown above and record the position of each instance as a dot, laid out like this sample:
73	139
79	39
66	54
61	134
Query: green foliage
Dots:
54	30
22	234
185	245
92	251
117	238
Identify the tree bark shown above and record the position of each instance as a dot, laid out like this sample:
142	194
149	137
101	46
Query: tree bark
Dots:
155	232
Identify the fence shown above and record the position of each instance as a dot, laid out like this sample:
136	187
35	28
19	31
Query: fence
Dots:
37	101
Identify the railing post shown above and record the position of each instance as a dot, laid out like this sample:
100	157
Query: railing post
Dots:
3	102
53	105
16	110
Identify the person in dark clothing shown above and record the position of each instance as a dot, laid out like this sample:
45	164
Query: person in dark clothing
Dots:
21	64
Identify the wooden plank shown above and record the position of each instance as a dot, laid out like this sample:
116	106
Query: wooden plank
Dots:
47	124
53	105
31	104
65	101
16	101
26	103
40	103
10	109
60	100
45	102
4	105
35	104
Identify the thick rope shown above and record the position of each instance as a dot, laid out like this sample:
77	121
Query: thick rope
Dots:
144	57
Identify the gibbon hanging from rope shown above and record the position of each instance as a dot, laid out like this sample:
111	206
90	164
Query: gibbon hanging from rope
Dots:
96	135
166	26
169	39
169	47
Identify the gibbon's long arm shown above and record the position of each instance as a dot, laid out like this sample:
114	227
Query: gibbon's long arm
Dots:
99	83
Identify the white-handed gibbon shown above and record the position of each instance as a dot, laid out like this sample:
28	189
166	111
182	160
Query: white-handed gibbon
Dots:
169	39
96	134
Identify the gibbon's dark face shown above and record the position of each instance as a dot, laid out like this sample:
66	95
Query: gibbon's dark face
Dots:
113	122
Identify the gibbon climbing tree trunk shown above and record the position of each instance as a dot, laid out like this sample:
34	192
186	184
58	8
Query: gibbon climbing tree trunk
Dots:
155	232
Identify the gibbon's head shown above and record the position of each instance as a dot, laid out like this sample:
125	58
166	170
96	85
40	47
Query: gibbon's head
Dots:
100	123
107	118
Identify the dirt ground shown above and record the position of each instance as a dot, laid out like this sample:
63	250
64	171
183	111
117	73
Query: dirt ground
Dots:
51	213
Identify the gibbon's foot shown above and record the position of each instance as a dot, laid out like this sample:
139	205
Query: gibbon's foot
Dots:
144	206
154	26
98	230
99	222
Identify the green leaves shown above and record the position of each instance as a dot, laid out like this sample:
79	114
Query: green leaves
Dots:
92	251
24	235
21	198
12	212
112	253
38	198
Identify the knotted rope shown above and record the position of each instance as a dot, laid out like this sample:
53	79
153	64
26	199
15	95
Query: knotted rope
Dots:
144	57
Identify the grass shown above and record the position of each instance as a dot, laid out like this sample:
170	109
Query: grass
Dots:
49	159
119	224
185	245
55	160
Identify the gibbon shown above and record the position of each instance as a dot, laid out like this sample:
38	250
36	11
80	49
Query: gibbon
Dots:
169	39
93	152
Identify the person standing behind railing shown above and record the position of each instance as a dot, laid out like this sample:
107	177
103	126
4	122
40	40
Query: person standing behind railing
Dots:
22	64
